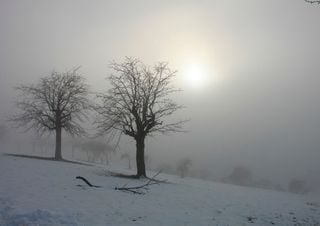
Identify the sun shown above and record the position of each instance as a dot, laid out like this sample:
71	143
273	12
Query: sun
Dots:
196	75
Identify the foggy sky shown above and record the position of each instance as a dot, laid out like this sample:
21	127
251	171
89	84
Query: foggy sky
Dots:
264	110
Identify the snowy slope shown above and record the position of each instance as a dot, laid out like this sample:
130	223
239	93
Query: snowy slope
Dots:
40	192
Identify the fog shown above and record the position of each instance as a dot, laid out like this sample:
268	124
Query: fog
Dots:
258	108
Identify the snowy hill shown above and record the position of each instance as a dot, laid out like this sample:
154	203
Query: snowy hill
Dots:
40	192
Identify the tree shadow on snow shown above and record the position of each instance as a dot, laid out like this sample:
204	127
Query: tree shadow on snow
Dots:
44	158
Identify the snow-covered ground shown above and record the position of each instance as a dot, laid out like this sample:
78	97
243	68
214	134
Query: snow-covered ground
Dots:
40	192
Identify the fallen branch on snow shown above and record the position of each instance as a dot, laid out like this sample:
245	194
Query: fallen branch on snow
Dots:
87	182
140	190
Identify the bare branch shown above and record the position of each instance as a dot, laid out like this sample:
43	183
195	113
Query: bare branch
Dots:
141	188
87	182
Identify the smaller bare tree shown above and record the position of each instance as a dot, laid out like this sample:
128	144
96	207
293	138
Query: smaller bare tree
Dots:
58	101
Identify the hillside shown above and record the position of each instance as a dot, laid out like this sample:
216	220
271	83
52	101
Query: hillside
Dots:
40	192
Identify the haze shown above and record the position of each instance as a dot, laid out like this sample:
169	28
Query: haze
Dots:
257	105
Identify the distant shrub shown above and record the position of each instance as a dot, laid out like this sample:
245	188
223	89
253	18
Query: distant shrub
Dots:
240	176
297	186
183	167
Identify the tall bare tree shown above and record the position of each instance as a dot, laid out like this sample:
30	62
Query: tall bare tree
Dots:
137	104
58	101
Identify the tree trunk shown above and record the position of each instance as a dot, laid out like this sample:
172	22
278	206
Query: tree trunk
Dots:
58	155
141	169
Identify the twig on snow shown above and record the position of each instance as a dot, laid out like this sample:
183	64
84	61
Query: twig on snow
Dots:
141	188
87	182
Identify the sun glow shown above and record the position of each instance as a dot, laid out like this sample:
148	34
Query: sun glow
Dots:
196	75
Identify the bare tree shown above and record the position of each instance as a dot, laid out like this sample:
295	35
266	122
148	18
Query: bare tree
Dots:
312	1
137	104
58	101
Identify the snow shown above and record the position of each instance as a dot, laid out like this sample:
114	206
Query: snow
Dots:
41	192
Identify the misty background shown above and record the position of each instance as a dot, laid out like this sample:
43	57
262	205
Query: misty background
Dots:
259	107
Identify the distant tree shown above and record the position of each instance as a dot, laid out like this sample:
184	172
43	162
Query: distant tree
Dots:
137	104
240	175
297	186
183	166
58	101
96	150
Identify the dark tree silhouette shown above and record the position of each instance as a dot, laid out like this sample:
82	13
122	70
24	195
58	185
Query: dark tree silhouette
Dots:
58	101
137	104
